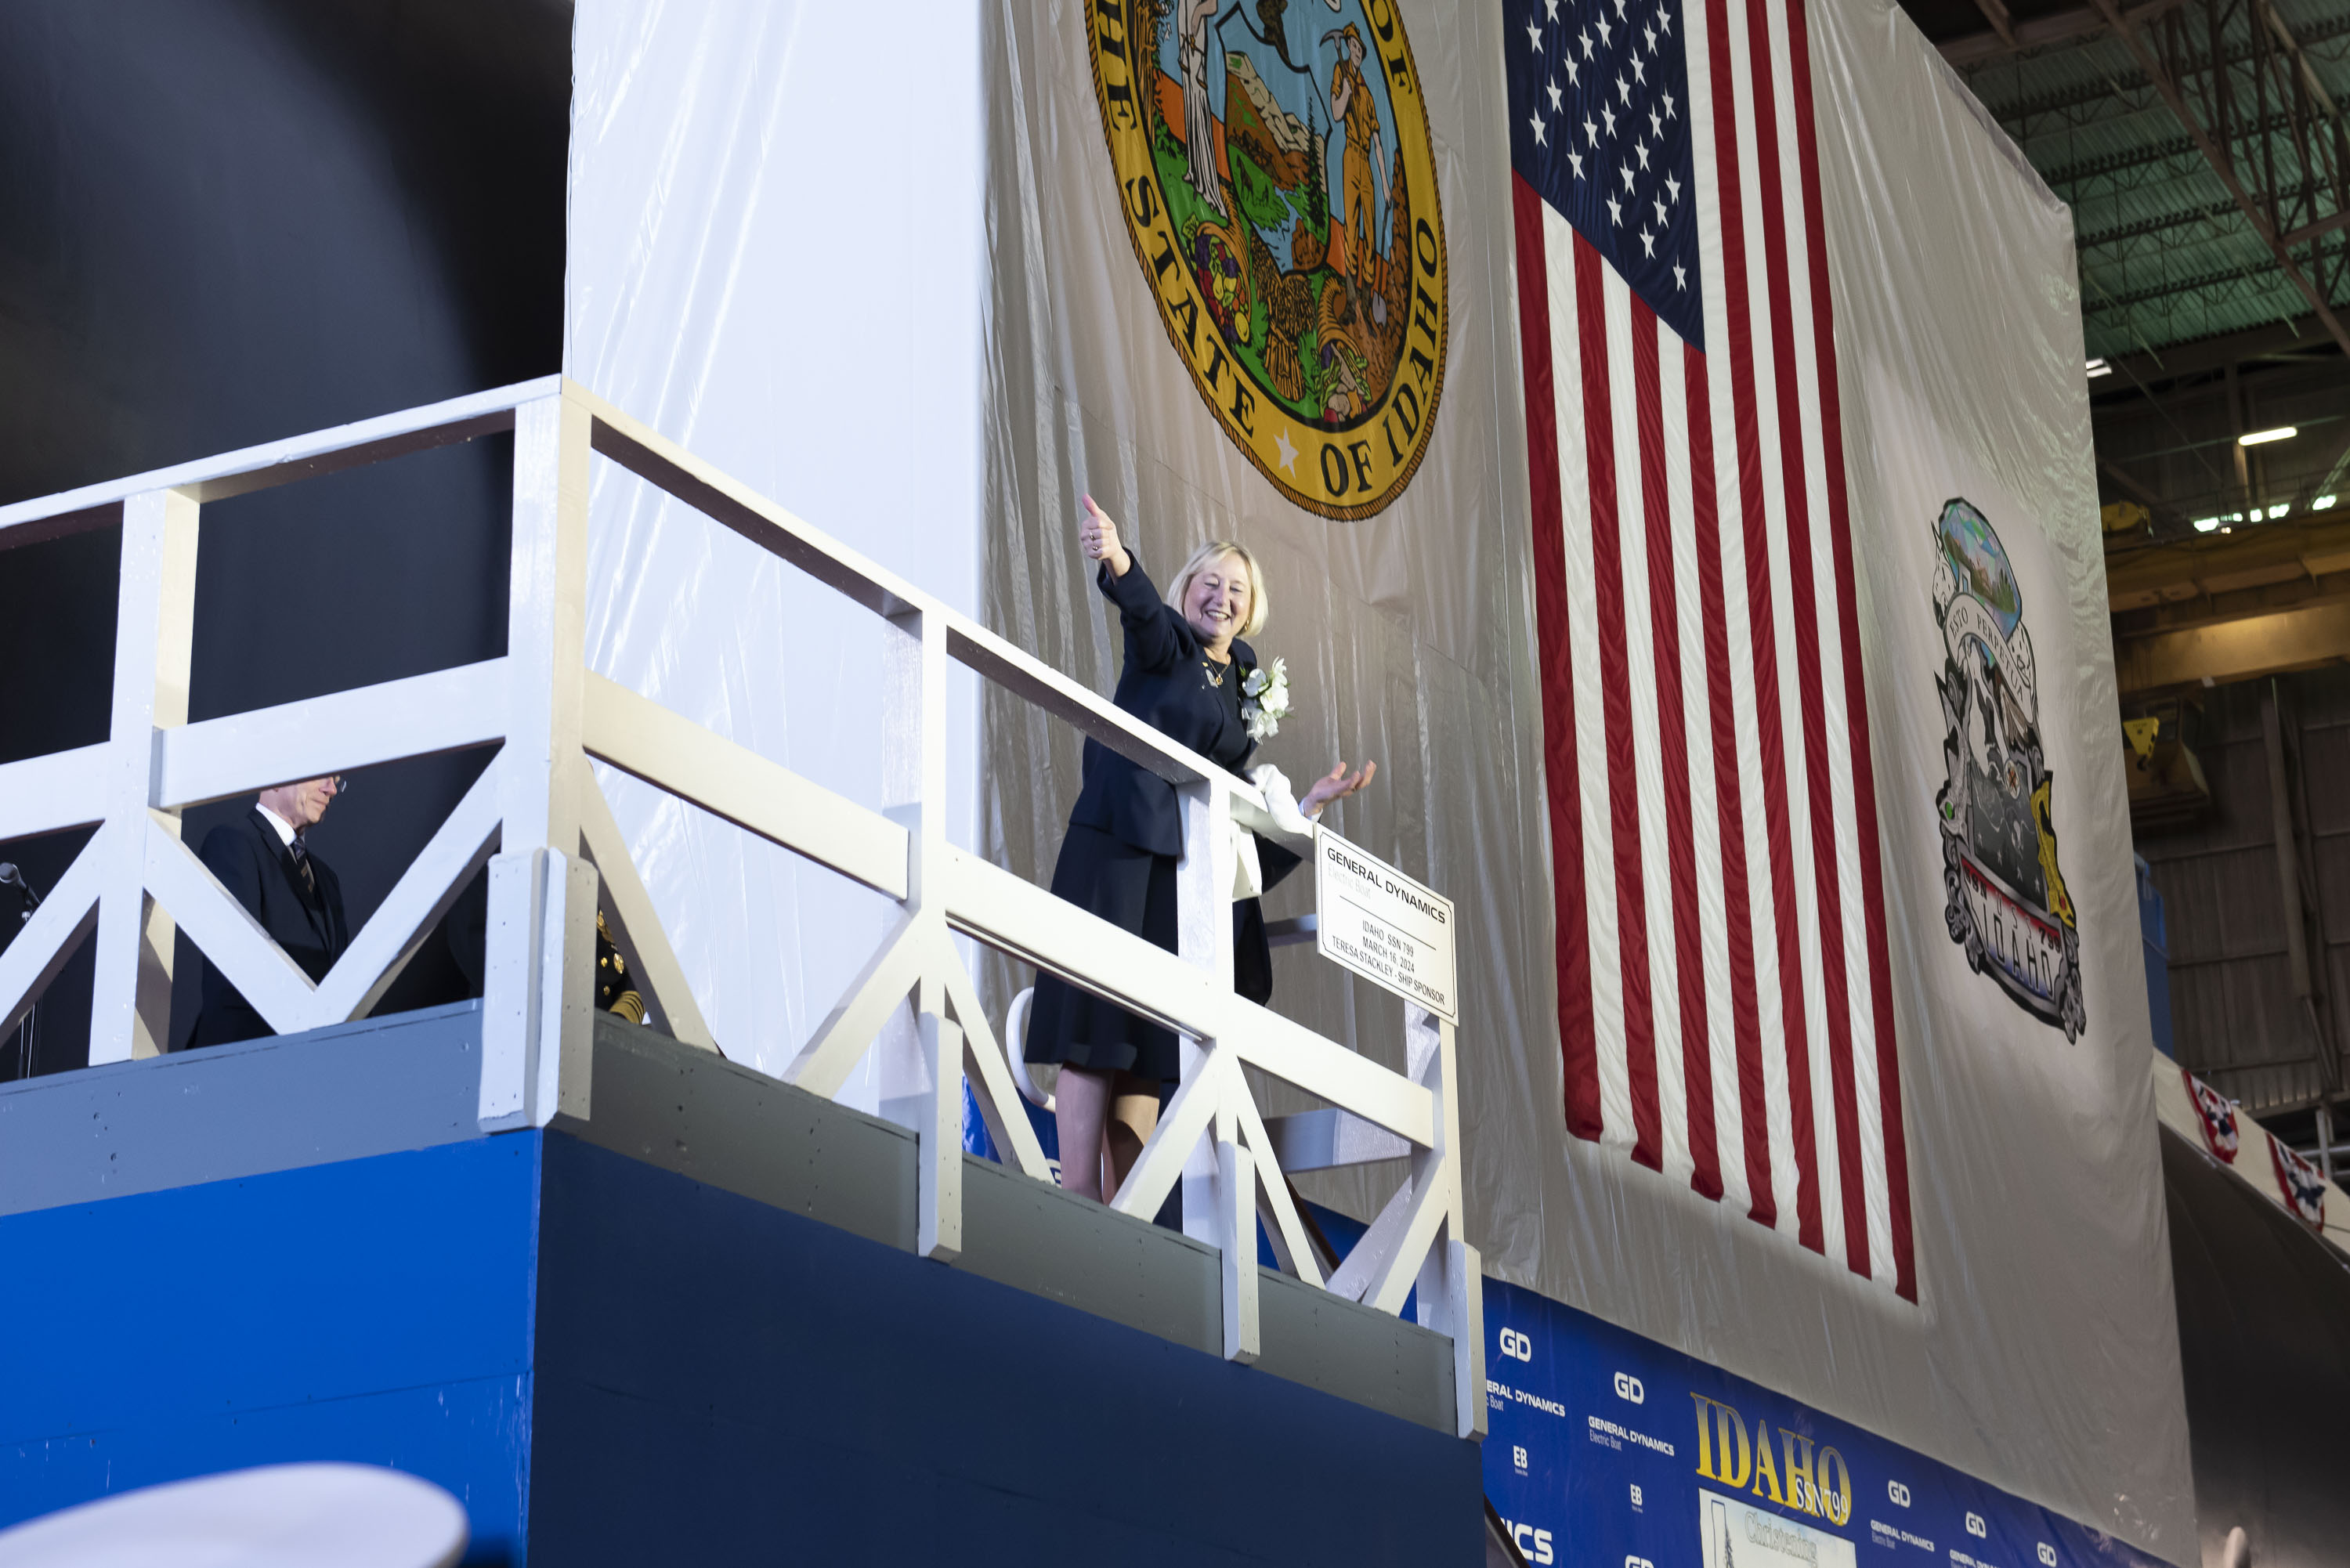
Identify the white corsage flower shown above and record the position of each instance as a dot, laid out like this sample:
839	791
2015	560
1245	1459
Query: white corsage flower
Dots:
1265	698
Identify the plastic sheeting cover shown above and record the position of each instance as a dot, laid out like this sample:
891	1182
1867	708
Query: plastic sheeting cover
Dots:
733	283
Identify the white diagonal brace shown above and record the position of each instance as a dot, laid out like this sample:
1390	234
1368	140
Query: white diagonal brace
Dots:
1286	1227
46	941
413	909
1375	1248
1435	1176
831	1053
609	848
1431	1203
1189	1116
226	932
999	1100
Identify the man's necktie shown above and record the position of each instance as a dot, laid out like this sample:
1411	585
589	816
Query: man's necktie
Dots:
301	853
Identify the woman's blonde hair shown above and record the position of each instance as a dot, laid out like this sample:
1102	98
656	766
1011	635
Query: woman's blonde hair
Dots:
1208	555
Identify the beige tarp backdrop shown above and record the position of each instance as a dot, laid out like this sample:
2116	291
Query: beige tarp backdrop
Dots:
2041	1355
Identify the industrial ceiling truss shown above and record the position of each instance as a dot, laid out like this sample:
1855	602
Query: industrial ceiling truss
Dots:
2201	144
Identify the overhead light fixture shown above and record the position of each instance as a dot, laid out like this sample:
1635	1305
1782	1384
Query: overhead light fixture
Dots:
2099	368
2323	503
2279	509
2205	524
2258	438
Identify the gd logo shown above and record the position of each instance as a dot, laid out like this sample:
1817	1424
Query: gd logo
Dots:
1897	1494
1629	1388
2048	1554
1516	1346
1977	1528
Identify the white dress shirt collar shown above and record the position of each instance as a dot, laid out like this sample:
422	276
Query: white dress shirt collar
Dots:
285	828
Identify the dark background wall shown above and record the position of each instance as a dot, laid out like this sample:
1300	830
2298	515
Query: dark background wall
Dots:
2236	1020
2264	1343
224	221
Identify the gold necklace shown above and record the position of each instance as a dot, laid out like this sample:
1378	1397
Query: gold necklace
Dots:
1210	665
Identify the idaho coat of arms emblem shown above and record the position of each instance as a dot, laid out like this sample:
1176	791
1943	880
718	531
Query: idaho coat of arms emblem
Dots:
1278	183
2005	901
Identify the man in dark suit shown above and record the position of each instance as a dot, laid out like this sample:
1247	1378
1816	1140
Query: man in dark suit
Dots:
264	859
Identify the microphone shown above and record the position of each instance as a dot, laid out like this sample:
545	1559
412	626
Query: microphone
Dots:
11	877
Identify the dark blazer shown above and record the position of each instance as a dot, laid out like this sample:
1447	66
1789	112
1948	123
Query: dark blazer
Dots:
1162	685
251	863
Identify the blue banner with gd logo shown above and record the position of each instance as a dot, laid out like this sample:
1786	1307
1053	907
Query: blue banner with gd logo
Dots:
1608	1450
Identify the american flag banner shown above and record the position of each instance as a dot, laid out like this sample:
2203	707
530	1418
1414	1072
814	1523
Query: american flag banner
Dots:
1725	1009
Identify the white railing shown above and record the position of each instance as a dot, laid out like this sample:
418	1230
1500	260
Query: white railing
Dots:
539	818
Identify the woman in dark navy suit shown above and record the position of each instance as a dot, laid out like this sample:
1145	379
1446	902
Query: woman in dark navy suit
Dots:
1185	664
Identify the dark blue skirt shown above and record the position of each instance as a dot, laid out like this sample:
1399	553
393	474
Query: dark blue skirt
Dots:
1135	891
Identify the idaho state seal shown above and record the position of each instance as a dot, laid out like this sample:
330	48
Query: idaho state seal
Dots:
1279	186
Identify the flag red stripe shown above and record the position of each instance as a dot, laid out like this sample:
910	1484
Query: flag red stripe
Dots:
1863	772
1804	616
1760	614
1745	1030
1577	1044
1770	413
1672	747
1614	686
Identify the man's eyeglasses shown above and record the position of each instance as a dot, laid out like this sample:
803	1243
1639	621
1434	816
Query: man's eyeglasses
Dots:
342	782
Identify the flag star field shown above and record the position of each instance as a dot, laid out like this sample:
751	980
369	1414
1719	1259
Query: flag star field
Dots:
1599	127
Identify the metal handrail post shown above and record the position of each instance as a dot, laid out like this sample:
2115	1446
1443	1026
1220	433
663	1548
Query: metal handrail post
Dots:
1219	1174
914	796
537	1000
130	997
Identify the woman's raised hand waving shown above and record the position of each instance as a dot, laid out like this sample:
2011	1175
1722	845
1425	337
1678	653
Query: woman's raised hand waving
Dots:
1098	532
1335	785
